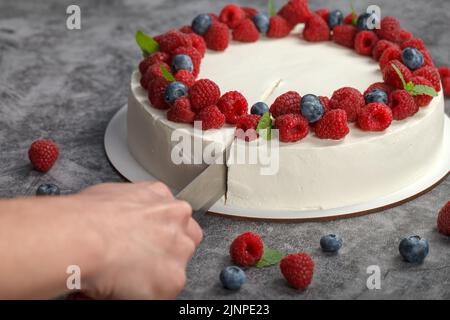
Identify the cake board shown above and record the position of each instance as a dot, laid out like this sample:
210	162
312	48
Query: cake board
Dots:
117	152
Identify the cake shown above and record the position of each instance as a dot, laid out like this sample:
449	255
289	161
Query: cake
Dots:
374	157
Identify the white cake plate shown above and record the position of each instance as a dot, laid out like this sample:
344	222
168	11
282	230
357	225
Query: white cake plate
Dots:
117	152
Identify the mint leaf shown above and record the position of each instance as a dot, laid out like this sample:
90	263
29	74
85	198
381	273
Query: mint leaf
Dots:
167	75
265	126
270	258
409	87
354	15
412	88
147	44
423	90
271	8
397	70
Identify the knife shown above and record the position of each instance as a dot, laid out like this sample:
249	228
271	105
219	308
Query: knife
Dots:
208	187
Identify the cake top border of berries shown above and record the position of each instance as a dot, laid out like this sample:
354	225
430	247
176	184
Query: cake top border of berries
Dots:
172	63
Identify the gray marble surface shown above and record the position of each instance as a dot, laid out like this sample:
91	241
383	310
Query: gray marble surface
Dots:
67	85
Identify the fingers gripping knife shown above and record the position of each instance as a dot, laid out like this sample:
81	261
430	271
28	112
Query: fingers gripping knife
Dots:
208	187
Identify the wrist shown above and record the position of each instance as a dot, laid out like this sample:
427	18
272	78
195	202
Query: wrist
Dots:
89	246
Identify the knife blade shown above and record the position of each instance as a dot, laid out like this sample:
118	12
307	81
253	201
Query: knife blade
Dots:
208	187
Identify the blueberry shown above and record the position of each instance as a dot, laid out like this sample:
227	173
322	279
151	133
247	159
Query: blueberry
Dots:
262	23
362	23
232	278
412	58
201	24
48	189
311	108
331	243
182	62
174	91
376	96
259	108
335	18
414	249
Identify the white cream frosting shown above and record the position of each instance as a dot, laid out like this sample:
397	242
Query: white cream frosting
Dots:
313	173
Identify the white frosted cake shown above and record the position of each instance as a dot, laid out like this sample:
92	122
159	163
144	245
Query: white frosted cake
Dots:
304	73
315	173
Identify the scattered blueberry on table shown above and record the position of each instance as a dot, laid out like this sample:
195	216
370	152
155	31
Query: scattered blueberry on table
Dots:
232	278
331	243
414	249
48	189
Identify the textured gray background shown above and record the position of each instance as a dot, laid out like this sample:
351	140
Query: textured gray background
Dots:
66	85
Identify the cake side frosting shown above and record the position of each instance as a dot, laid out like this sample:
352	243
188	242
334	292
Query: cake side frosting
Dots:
318	174
150	140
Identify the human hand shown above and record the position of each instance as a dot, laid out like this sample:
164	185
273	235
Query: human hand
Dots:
147	239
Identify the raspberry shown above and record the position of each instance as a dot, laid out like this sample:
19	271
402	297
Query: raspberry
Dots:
345	35
295	12
298	269
422	100
247	249
316	29
172	40
365	41
247	125
198	43
211	118
287	103
446	86
250	12
348	99
186	29
185	77
246	31
380	47
153	73
292	127
405	35
431	74
181	111
402	105
43	155
443	222
379	86
391	77
325	102
193	54
156	91
444	72
428	59
153	59
375	117
323	13
218	37
390	29
232	15
278	27
390	54
233	105
214	17
204	93
413	43
333	125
